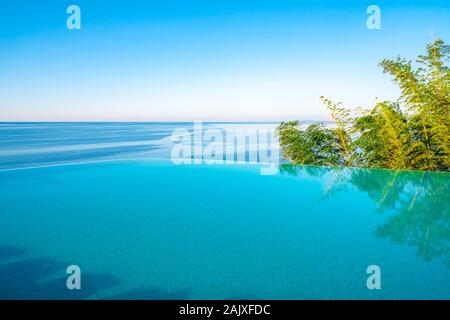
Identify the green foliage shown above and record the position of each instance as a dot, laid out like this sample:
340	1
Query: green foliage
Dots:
381	137
315	145
341	117
411	133
425	93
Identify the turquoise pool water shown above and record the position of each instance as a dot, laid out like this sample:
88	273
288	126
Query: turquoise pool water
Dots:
152	230
148	229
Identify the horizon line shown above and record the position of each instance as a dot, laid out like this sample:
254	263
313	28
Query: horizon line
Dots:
170	121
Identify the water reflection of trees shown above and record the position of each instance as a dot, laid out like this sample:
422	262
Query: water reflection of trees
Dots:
419	200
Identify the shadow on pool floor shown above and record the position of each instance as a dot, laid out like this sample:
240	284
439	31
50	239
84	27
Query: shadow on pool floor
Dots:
24	279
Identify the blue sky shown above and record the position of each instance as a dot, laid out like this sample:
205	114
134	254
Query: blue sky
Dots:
203	60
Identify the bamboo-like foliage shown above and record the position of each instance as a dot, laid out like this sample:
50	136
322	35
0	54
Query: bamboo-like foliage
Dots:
412	133
314	145
381	137
425	93
341	118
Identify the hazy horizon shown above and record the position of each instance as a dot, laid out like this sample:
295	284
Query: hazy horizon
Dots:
225	120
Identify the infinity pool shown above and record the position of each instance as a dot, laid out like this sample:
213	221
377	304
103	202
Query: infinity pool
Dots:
148	229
